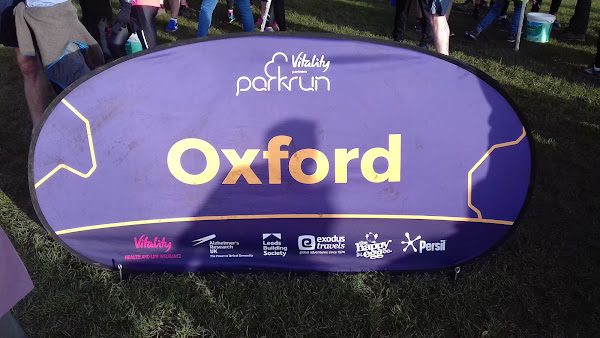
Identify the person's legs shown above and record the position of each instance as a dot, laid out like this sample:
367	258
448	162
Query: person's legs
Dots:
96	16
579	22
279	13
597	62
440	10
402	8
426	38
146	18
174	4
594	71
35	85
555	6
205	16
489	18
172	25
441	33
514	21
246	13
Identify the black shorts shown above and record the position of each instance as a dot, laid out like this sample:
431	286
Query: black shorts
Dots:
8	31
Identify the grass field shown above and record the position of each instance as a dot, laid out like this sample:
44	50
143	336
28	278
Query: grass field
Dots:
543	281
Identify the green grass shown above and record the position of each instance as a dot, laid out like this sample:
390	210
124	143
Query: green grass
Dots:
543	281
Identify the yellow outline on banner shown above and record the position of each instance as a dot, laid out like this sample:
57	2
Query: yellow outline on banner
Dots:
91	143
279	216
496	146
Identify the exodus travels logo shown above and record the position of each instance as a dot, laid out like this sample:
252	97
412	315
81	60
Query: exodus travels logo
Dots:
323	245
221	249
289	73
423	245
144	242
271	244
371	248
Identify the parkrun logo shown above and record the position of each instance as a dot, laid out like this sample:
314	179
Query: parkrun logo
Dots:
371	248
423	245
240	166
144	243
300	64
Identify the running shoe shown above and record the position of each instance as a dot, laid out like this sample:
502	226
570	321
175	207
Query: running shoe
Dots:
418	24
502	21
172	26
184	11
511	38
473	35
258	22
231	17
556	24
592	73
275	26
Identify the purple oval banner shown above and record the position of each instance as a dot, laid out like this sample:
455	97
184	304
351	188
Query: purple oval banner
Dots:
300	152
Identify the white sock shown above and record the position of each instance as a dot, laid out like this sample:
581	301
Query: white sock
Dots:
174	20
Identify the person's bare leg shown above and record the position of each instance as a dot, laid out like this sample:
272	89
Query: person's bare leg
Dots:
448	12
35	85
175	8
441	33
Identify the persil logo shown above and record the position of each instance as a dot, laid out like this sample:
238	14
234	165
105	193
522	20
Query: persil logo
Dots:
280	75
423	245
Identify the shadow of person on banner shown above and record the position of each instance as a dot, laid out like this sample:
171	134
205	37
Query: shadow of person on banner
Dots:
258	213
496	180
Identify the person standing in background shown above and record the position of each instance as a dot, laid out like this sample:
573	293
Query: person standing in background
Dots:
206	11
177	7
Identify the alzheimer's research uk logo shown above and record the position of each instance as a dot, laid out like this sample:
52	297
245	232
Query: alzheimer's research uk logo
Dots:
298	72
371	248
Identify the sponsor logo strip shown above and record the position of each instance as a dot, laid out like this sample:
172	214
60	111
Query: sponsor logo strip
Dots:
282	216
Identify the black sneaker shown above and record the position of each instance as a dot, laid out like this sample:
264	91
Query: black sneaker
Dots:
418	24
502	22
511	38
473	35
592	73
184	11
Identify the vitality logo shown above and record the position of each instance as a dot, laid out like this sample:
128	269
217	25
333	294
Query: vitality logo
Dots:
423	245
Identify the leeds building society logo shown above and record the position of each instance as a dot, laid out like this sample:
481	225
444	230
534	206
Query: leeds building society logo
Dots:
272	245
423	245
371	248
323	245
289	73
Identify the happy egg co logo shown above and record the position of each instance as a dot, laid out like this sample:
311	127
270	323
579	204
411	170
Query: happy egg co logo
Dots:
295	76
